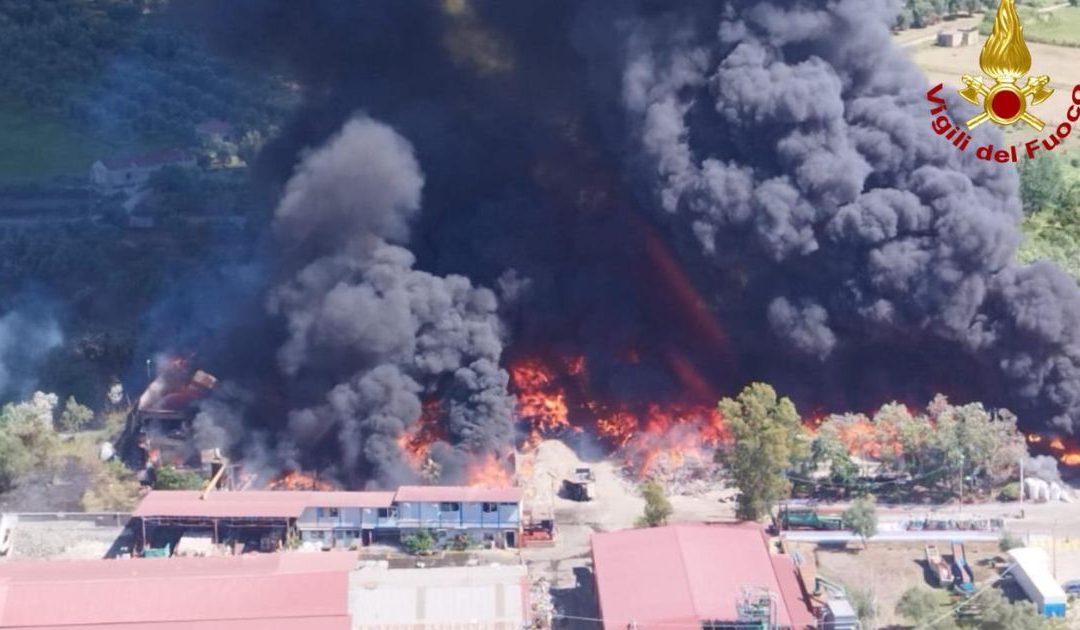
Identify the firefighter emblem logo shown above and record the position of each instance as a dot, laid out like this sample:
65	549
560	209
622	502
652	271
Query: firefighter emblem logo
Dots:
1006	59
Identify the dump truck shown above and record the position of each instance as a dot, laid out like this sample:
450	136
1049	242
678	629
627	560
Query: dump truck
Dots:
581	486
963	576
940	572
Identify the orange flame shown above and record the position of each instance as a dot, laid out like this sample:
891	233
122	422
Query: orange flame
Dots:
1034	438
540	400
296	480
1071	458
677	434
1057	445
488	472
416	441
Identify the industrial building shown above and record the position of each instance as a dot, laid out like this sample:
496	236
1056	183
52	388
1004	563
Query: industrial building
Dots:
487	596
294	591
707	576
265	520
299	591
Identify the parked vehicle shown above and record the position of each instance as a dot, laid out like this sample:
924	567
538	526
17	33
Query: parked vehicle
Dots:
792	517
940	573
963	576
581	487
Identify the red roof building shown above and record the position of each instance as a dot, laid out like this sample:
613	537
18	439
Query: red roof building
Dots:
265	591
692	574
280	504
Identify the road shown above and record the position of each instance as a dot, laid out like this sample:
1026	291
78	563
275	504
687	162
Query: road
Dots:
895	536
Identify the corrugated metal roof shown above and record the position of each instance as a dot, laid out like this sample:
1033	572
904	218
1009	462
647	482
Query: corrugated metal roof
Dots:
683	574
1035	563
794	597
252	503
307	591
457	493
492	596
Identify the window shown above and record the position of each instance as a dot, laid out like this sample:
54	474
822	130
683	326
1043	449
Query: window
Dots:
333	512
490	508
390	512
449	507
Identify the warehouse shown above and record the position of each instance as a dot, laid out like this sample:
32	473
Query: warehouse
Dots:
295	591
696	575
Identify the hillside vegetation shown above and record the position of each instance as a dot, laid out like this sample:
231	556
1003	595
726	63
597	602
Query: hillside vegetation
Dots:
116	73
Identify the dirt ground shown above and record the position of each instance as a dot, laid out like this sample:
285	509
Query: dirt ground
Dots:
617	505
885	570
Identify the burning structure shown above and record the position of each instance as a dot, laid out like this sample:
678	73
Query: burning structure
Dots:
159	429
602	218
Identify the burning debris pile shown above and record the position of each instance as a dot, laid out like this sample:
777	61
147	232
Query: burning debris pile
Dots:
652	439
670	199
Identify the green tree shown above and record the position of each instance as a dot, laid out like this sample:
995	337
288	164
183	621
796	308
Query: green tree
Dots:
75	416
172	478
657	507
15	459
998	613
419	542
1042	184
768	441
861	518
920	605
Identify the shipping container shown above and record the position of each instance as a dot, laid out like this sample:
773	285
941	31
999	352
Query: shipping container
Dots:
1031	569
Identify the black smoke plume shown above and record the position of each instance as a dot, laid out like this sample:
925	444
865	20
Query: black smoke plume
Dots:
737	190
360	317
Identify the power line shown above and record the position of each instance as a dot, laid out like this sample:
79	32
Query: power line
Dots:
952	611
867	483
632	623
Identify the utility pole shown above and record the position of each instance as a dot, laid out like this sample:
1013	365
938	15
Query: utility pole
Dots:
1022	458
1053	543
960	508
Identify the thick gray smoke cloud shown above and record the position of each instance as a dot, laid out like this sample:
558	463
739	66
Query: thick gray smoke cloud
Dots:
795	135
381	333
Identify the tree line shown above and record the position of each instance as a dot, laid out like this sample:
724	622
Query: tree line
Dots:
122	73
895	452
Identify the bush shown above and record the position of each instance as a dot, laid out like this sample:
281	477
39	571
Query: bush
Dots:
919	604
864	603
657	506
1011	492
172	478
75	417
1009	541
418	543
